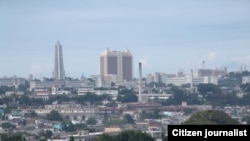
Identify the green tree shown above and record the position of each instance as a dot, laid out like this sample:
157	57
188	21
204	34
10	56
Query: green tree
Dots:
156	113
129	119
8	125
245	100
208	88
246	119
127	135
165	138
105	97
3	89
68	126
112	84
127	95
54	116
193	98
91	98
71	138
81	126
245	87
48	134
106	137
91	121
178	96
59	98
24	87
33	114
133	135
14	137
213	117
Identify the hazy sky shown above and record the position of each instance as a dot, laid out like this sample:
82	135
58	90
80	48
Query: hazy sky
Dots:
165	35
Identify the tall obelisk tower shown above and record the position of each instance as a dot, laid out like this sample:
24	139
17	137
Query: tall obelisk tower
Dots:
58	73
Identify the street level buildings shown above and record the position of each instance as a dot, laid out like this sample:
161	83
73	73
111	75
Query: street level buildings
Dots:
12	81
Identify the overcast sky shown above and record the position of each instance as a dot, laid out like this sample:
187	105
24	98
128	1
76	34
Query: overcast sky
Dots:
165	35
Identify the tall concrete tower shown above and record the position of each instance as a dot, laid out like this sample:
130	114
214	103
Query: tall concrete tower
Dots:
58	73
140	83
192	79
116	66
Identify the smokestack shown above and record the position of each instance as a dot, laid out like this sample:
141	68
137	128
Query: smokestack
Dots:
192	79
140	83
203	64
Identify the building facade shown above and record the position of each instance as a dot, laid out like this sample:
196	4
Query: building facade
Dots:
12	81
210	72
58	73
116	66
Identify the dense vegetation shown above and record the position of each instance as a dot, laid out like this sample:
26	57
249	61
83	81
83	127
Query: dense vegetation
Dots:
14	137
128	135
209	94
211	117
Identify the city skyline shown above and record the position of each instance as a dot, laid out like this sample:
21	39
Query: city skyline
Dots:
166	36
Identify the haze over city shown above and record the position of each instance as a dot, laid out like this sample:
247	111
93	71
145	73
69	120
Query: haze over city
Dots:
166	36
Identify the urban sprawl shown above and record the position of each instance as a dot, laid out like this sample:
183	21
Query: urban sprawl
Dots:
60	107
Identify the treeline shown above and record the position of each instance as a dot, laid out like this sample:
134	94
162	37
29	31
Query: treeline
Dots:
127	135
210	94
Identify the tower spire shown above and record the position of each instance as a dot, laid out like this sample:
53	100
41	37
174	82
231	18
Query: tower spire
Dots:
58	73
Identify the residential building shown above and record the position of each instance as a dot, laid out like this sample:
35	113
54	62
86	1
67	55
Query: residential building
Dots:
245	79
12	81
99	82
178	81
210	72
154	77
46	84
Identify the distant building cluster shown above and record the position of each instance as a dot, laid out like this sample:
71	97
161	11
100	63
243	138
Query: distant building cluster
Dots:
116	68
196	77
12	81
97	97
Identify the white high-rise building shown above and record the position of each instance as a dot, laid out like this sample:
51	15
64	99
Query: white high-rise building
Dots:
58	73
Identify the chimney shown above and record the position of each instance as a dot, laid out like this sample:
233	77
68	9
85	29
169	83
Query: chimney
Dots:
140	83
192	79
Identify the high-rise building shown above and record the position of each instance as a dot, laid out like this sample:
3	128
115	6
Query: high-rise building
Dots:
116	66
58	73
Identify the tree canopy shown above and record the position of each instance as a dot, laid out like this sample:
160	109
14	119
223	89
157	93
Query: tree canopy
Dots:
14	137
127	95
127	135
208	88
54	116
91	121
211	117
